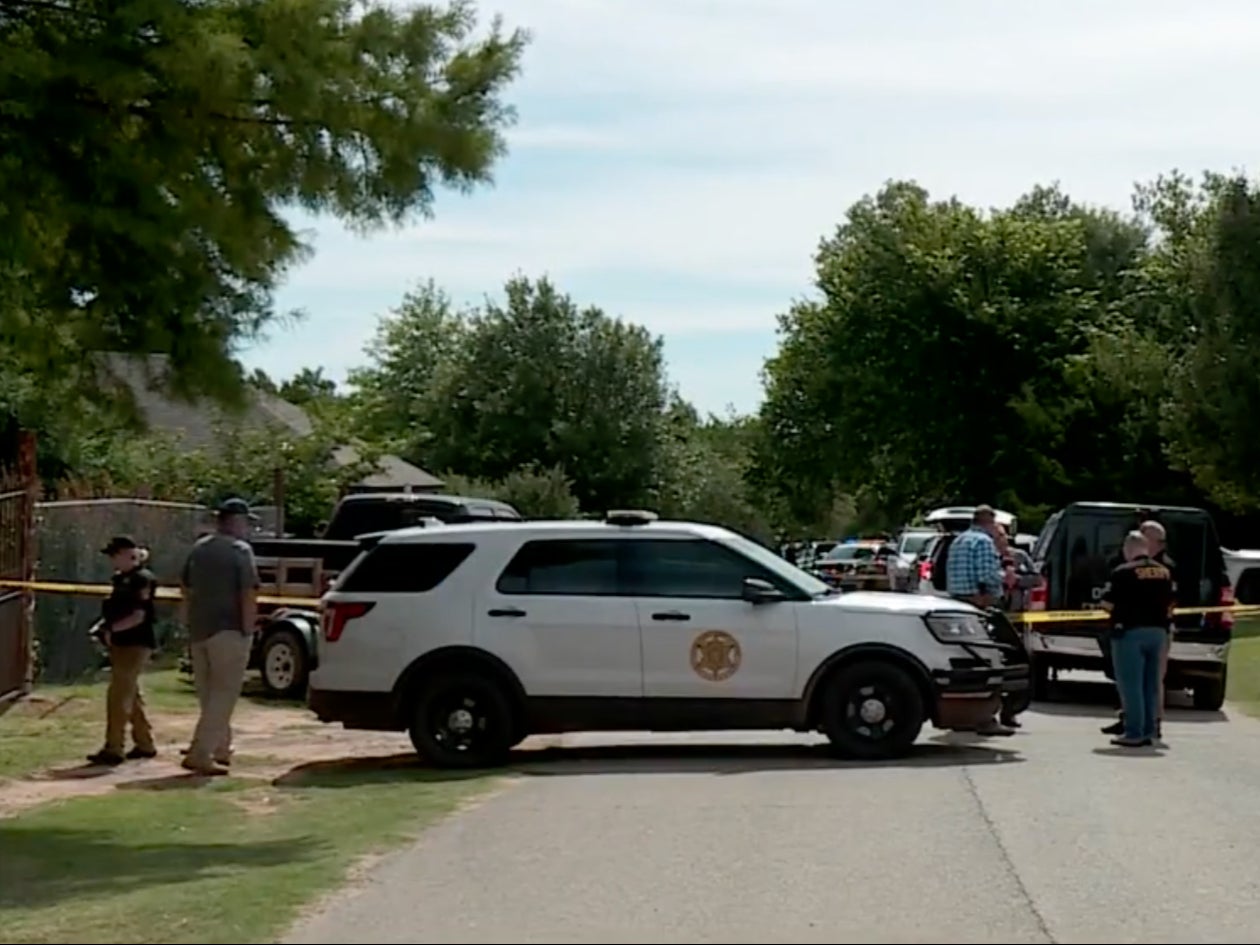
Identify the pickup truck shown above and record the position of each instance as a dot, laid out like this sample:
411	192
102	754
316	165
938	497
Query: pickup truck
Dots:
283	650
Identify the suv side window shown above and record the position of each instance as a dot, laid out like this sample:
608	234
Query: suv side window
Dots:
565	567
1041	547
690	568
405	568
1248	589
940	562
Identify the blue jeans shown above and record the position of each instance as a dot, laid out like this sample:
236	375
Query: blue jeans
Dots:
1136	654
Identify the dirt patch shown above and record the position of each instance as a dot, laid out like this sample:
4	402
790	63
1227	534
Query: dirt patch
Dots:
269	742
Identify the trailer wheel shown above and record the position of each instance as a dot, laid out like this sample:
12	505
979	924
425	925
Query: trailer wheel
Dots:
284	664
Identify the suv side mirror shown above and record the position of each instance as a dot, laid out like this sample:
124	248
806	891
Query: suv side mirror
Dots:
757	591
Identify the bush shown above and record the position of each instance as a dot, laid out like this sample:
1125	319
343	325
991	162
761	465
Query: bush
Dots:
535	493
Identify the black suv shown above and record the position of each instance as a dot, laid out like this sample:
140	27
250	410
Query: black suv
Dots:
1074	554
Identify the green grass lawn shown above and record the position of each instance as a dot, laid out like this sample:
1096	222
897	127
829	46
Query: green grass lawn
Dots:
1244	666
229	861
177	859
66	723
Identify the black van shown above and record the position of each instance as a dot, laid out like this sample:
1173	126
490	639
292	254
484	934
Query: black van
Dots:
1073	555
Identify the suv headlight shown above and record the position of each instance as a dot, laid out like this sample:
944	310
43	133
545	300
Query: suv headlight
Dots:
957	627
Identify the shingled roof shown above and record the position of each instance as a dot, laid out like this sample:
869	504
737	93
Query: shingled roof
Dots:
196	423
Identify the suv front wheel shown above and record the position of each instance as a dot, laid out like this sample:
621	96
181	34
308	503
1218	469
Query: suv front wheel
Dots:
872	710
463	720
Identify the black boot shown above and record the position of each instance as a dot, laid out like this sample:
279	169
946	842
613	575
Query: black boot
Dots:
1115	728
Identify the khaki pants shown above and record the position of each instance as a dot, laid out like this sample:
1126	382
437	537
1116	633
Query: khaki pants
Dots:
124	702
218	673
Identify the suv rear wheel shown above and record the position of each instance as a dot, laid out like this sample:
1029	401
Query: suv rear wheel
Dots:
462	720
1209	695
872	710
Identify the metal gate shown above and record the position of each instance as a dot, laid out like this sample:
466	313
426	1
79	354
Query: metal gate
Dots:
17	563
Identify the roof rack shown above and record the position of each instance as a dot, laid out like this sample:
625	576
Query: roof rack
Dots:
630	517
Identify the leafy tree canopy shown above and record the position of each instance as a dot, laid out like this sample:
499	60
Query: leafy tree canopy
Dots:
533	382
149	150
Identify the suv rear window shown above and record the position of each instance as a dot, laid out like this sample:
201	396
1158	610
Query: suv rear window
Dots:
405	568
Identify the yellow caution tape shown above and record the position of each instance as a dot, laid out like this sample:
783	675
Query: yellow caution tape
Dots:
163	593
1077	616
1026	617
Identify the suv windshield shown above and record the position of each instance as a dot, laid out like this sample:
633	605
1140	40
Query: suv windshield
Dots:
773	563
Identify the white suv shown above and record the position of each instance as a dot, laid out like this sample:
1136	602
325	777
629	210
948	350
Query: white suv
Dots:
472	637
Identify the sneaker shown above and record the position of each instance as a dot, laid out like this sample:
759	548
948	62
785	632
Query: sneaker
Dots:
1115	728
225	761
1125	742
208	771
141	754
106	758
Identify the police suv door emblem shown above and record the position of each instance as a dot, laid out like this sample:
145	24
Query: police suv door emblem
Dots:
715	655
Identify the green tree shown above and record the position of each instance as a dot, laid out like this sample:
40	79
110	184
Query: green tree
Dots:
308	386
705	467
535	493
1210	265
149	152
160	467
536	382
392	395
938	326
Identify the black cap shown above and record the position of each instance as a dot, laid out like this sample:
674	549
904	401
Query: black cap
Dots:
119	543
234	506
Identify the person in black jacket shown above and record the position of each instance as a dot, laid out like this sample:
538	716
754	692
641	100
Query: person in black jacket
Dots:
1157	545
1139	598
127	629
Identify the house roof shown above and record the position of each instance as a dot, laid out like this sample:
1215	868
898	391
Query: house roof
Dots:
196	423
392	472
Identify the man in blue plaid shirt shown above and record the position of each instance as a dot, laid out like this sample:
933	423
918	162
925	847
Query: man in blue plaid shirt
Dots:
974	573
974	570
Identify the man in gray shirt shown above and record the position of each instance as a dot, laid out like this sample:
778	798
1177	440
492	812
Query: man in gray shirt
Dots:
220	594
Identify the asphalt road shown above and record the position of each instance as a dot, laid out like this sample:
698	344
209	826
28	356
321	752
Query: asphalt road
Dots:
1049	836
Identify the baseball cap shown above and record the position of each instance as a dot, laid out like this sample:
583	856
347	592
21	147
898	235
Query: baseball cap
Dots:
119	543
235	506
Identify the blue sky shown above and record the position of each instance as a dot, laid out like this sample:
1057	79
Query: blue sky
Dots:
677	161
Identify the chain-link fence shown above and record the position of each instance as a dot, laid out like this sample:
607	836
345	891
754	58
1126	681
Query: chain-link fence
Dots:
70	536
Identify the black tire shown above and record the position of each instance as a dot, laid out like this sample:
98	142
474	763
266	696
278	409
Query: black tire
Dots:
893	703
284	664
480	737
1039	679
1210	696
1016	703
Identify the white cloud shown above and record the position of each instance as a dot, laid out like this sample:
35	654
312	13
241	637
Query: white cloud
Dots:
989	47
718	140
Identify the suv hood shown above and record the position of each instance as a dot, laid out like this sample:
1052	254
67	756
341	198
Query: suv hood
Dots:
887	602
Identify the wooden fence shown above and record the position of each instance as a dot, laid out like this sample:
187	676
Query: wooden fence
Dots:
17	563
